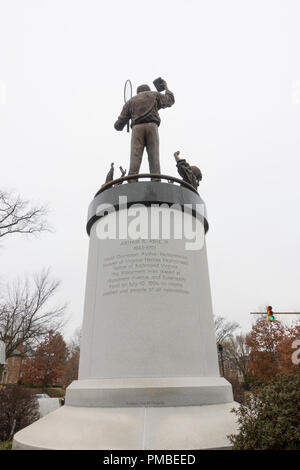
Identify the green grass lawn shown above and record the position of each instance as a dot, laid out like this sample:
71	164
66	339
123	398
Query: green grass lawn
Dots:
5	445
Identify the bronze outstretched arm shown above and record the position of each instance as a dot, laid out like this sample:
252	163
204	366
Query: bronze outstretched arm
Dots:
123	119
167	100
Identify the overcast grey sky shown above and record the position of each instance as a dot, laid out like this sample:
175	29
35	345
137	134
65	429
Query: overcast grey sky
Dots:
234	67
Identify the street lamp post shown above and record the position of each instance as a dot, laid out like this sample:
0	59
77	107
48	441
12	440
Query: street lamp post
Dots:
220	349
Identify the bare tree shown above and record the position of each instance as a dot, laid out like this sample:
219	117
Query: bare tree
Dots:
27	313
18	409
224	328
19	216
72	362
74	342
236	354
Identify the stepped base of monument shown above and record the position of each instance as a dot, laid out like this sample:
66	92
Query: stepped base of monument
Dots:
145	428
154	391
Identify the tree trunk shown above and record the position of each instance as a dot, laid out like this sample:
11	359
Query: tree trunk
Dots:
2	368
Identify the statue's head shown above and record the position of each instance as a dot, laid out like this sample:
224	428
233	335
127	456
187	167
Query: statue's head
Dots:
142	88
197	173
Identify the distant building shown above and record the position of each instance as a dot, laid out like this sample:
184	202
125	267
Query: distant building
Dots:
13	367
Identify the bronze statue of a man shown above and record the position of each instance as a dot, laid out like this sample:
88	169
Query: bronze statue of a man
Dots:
142	109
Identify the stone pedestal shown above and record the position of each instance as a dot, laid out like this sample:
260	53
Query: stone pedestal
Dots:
134	428
148	376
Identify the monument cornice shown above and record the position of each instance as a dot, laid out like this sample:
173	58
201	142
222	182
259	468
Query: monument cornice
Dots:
146	193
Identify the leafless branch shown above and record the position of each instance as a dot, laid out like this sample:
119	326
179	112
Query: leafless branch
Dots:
224	328
18	216
28	313
236	354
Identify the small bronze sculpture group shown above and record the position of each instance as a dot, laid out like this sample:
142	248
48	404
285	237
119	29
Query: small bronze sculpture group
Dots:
142	111
110	174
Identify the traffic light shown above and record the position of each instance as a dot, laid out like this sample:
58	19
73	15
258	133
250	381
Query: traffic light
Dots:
270	313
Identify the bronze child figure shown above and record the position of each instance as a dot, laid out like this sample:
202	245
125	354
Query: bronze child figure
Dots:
190	174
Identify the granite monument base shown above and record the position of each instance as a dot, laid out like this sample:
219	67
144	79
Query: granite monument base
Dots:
139	428
148	373
150	392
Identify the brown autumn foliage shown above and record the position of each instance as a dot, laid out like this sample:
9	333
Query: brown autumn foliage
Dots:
289	350
271	349
47	365
72	362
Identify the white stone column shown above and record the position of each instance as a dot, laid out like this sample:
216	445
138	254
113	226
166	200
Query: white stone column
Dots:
149	376
148	333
